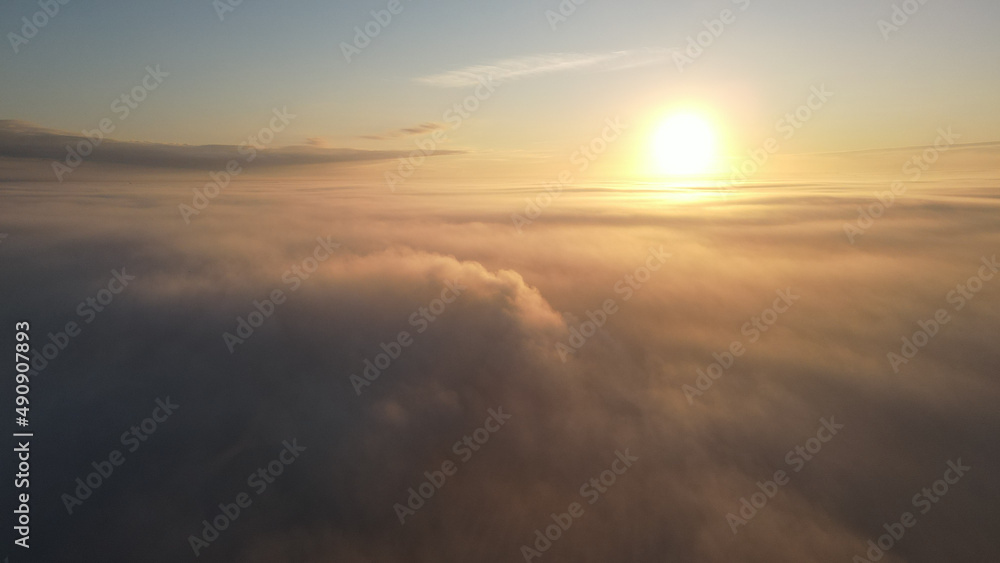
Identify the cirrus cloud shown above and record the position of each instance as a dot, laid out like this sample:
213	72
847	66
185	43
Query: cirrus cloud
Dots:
507	70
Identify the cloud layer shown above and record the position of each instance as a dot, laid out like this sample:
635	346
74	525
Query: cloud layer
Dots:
496	346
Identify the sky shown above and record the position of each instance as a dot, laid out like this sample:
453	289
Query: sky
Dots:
226	76
638	303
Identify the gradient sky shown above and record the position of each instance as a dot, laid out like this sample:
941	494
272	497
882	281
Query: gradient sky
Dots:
226	76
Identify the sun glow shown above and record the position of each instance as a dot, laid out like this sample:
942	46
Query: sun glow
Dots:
685	144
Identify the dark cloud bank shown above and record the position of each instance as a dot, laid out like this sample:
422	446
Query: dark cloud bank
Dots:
23	140
496	346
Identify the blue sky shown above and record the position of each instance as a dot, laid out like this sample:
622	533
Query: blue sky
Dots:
226	76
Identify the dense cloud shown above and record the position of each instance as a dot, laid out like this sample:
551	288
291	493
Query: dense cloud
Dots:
497	346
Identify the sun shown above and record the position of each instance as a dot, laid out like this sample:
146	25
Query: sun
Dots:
685	144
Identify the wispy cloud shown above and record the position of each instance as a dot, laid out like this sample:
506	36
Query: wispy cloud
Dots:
320	142
421	129
533	65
